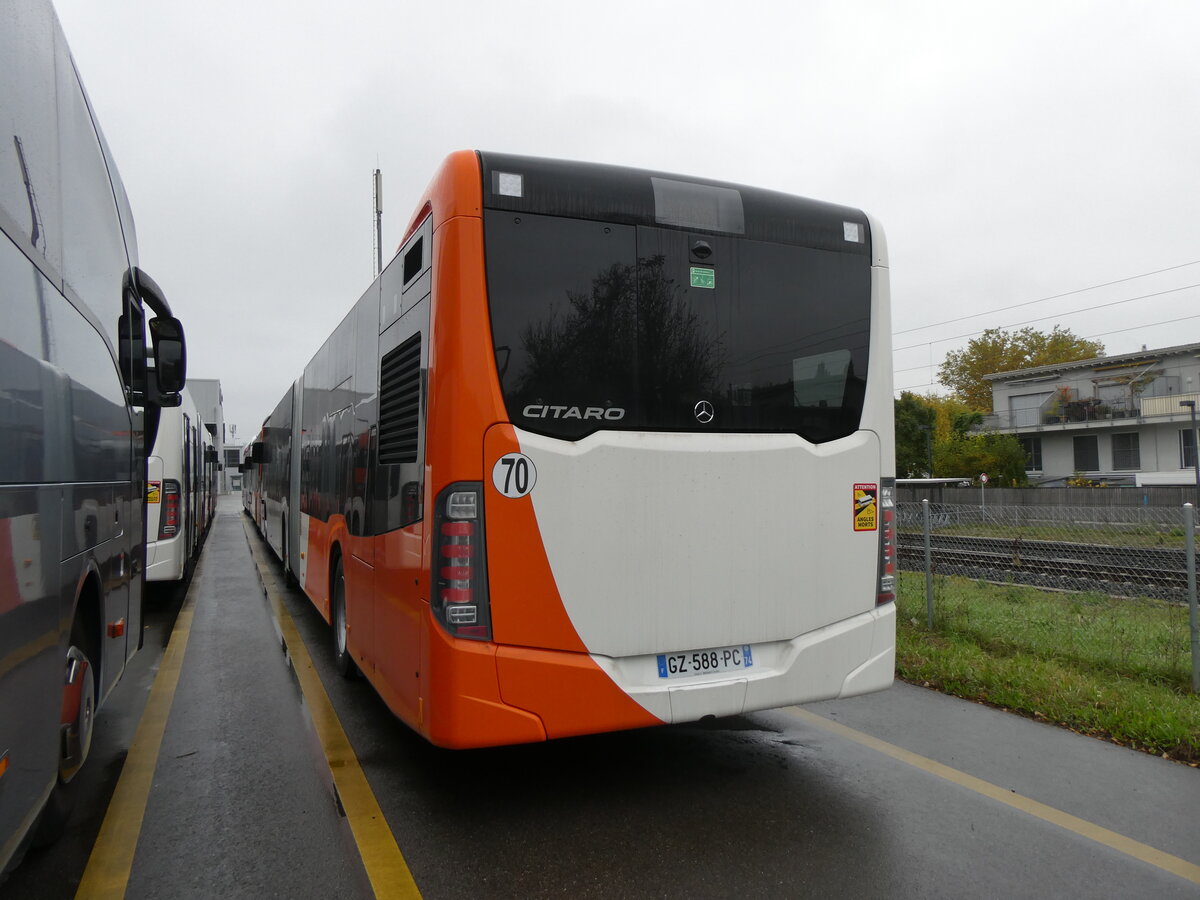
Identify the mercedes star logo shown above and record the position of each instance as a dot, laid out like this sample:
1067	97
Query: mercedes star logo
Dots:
704	412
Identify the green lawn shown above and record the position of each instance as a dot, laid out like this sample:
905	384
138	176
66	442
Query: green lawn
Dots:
1099	665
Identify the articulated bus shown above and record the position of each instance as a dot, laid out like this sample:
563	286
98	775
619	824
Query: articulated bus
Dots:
601	448
78	409
252	477
181	489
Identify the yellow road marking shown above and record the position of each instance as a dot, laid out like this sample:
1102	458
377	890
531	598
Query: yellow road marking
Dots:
1118	842
111	861
381	856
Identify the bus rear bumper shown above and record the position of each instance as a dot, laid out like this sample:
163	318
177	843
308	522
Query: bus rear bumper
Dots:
165	559
571	694
851	657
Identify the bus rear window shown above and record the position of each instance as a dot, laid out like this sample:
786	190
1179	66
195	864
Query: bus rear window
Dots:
601	325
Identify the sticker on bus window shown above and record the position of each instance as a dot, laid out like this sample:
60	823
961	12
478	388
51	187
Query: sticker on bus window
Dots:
152	488
514	475
866	507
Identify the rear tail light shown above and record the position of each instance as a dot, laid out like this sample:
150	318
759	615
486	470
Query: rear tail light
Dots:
168	513
460	601
887	542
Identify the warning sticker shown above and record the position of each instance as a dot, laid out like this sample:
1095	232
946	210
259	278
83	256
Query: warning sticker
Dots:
866	507
702	277
152	491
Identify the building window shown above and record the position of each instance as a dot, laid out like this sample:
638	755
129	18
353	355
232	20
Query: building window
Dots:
1026	409
1033	453
1087	453
1187	449
1125	451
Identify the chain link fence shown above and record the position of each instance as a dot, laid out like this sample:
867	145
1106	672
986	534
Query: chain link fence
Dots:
1109	587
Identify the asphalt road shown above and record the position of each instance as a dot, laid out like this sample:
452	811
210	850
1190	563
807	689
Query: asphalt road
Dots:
901	794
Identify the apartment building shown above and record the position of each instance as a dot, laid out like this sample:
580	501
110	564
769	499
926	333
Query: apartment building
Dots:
1125	419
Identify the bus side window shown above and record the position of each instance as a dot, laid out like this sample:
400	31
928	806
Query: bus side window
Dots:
94	260
406	280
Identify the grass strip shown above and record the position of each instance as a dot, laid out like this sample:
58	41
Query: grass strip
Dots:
1097	665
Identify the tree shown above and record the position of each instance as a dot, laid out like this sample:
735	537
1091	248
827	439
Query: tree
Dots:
915	418
958	451
1003	351
968	455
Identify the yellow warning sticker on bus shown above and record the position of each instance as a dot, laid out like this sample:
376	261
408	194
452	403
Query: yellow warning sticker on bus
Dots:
152	491
866	507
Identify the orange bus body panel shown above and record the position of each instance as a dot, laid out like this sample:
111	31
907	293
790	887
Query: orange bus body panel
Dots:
464	396
401	602
568	692
362	633
456	190
464	706
526	607
321	536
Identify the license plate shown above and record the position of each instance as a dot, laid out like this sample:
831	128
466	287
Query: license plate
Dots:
704	662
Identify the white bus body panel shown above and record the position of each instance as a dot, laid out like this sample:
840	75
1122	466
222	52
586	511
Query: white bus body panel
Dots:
166	559
663	542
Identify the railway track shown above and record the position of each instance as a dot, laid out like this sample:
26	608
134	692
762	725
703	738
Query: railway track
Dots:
1060	565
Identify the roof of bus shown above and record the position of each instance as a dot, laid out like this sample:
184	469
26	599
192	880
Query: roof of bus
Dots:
469	181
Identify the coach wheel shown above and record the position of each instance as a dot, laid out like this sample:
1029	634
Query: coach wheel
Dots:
342	660
78	719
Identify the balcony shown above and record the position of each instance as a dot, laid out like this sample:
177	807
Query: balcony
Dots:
1169	405
1071	412
1090	409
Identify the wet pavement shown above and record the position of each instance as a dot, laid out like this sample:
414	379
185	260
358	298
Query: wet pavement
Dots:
765	805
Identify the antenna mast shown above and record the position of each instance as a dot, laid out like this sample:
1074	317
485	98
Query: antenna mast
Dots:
377	192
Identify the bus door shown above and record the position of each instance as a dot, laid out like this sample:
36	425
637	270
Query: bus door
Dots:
186	488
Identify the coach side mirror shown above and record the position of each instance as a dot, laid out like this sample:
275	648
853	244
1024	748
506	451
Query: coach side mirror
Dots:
170	355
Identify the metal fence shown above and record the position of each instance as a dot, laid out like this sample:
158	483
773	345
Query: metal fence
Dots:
1158	495
1114	586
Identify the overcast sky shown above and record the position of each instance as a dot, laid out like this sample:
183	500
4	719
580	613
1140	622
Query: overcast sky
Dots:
1012	151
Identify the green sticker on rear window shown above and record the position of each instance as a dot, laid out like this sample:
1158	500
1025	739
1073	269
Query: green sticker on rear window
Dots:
704	278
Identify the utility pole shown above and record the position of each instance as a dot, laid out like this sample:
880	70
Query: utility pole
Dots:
928	429
1191	405
377	197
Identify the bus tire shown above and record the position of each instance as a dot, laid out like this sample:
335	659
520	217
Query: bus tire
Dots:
79	703
342	660
289	577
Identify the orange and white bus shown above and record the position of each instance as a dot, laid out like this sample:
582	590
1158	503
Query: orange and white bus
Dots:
601	448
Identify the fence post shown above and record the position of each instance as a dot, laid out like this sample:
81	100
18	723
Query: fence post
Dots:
929	569
1189	538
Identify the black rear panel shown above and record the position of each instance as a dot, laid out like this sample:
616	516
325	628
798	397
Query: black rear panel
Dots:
638	197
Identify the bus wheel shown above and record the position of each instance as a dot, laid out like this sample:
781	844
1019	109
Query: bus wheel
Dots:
342	660
289	577
77	722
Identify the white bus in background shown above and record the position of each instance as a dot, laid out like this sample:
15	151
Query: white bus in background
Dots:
181	491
